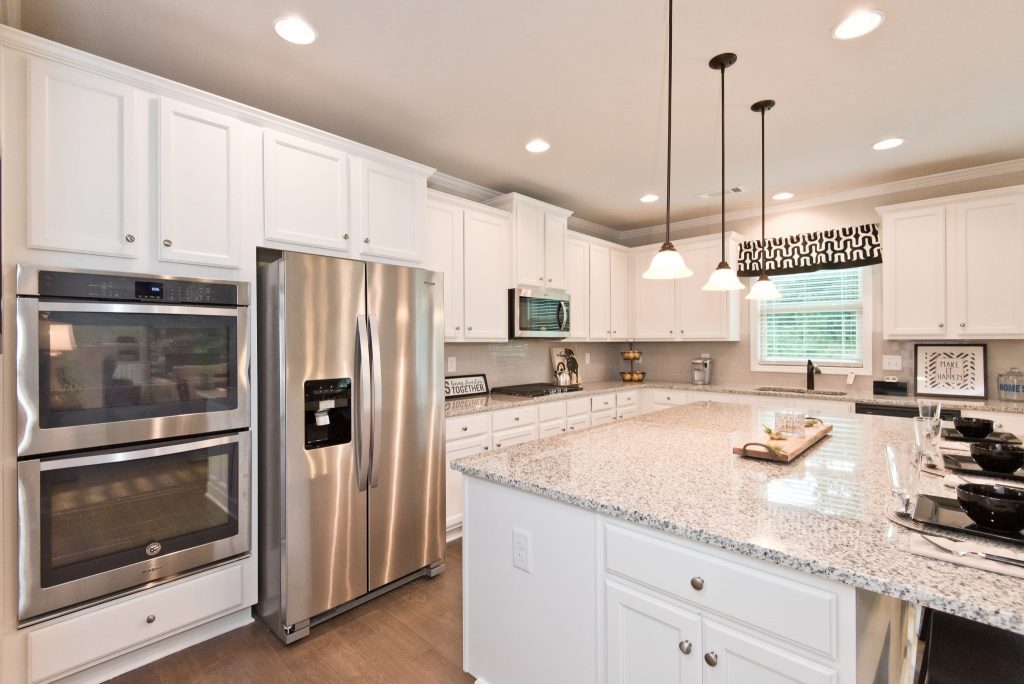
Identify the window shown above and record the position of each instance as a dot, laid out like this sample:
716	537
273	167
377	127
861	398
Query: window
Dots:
823	316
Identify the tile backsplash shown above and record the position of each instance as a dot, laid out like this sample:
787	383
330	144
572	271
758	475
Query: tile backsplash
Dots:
522	361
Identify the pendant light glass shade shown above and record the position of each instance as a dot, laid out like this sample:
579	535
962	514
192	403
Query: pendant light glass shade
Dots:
723	279
764	290
667	264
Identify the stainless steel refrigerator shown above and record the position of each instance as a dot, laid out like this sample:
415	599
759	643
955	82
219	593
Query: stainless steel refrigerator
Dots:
350	434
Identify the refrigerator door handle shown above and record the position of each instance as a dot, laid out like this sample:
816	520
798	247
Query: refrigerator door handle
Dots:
365	410
377	420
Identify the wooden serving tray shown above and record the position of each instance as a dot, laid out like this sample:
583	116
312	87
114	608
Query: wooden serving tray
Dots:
786	449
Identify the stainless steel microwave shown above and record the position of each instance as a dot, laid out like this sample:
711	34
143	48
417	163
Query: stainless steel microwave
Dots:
538	313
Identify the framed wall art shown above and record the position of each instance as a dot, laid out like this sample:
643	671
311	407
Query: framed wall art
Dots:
458	386
951	370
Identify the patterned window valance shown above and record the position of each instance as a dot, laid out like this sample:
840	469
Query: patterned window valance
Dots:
828	249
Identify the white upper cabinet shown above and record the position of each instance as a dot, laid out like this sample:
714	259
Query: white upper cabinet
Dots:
600	293
655	301
618	281
950	267
442	252
201	195
84	180
577	284
538	241
391	208
305	192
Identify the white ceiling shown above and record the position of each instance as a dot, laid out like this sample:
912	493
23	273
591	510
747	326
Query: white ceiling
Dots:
461	85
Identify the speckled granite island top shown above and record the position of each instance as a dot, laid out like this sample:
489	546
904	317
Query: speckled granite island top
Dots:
824	513
492	402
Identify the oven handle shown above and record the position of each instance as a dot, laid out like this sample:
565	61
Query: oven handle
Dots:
170	309
377	400
365	415
60	463
563	315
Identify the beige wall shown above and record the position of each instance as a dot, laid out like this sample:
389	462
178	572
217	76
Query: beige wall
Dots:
517	362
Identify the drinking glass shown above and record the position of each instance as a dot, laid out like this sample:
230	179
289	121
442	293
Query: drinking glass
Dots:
928	408
926	438
790	423
904	471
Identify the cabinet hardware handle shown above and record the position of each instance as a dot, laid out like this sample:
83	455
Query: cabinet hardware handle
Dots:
563	429
963	325
498	445
150	619
697	583
942	325
345	236
486	448
711	658
458	327
465	428
129	238
167	243
366	240
469	328
517	419
685	646
549	280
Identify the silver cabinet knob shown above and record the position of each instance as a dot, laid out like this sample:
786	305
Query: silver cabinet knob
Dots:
167	243
150	619
669	332
697	583
685	646
563	429
469	328
540	278
458	327
487	448
498	445
345	236
517	419
572	427
366	240
711	658
549	280
129	238
963	325
942	325
465	428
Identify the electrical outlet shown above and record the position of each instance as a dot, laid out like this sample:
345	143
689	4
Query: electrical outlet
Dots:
522	553
586	359
451	364
892	362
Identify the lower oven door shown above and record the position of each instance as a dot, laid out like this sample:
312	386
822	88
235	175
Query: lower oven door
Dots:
98	523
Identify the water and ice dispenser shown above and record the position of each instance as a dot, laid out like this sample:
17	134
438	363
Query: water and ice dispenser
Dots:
328	408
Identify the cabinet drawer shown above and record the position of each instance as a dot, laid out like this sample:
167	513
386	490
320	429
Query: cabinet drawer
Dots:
602	402
795	611
577	407
467	426
669	397
552	410
514	417
552	428
630	398
107	632
625	412
513	436
577	422
602	417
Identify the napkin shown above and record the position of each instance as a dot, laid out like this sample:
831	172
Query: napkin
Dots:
920	547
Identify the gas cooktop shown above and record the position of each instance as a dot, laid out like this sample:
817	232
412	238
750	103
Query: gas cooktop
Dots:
535	389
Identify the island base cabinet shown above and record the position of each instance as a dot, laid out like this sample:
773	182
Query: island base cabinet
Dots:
733	657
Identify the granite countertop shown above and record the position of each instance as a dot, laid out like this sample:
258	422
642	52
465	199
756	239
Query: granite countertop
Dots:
491	402
824	513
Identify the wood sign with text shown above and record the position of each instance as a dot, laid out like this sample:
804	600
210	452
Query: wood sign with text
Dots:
465	386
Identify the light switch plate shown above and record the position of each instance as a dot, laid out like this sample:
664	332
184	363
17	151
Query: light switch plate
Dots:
451	364
586	359
892	362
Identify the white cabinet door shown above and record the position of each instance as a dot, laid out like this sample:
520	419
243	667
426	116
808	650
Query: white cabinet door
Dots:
391	206
702	315
555	229
648	640
740	659
485	256
985	249
83	148
618	278
305	192
655	302
201	195
914	273
577	284
529	254
453	478
442	251
600	293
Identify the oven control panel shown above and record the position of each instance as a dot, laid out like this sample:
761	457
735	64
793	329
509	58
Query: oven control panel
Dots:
126	288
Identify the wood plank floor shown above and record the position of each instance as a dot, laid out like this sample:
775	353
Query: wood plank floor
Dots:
412	634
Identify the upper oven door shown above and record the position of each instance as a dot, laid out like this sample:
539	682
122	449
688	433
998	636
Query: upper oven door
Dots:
94	374
536	314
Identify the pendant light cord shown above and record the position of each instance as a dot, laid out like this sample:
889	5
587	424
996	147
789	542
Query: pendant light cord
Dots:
668	171
723	162
763	245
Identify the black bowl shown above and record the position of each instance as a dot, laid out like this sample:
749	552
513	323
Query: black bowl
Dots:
993	506
974	428
998	458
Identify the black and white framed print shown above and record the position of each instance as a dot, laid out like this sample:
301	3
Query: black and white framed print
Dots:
951	370
457	386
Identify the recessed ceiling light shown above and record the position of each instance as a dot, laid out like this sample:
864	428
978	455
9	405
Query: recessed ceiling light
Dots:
887	144
860	23
649	198
537	145
782	196
295	30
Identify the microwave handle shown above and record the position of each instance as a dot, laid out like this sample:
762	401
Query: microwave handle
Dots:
135	455
563	315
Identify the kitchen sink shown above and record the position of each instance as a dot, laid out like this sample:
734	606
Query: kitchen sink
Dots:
798	390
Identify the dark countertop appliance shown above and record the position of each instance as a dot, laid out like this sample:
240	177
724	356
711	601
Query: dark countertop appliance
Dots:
535	389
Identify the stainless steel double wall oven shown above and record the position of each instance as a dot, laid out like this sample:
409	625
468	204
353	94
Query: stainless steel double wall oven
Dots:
133	444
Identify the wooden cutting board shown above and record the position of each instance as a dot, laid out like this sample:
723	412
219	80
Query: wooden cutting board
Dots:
785	450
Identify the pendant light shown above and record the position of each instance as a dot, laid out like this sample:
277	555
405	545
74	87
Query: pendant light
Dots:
723	278
764	289
668	264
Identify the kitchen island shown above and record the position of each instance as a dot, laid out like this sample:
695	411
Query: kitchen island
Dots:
801	576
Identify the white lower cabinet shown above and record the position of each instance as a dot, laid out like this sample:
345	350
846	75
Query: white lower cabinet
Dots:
576	423
740	658
514	436
602	417
470	446
552	428
658	399
626	412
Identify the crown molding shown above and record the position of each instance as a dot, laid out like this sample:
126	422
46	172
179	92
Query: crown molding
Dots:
461	188
10	13
580	225
892	187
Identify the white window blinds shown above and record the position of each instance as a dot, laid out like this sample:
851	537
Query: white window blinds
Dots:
820	317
